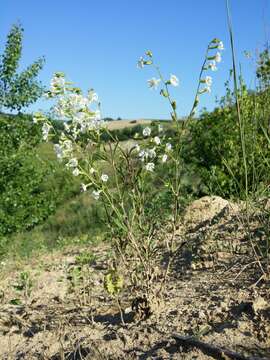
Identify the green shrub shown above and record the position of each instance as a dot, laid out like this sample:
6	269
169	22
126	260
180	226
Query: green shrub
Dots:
23	203
213	149
31	187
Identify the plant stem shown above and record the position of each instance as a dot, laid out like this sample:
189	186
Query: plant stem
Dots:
237	102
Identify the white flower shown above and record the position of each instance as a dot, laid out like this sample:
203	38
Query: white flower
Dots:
137	147
157	140
212	65
92	170
168	147
96	194
97	115
140	63
150	167
104	177
220	46
45	131
218	57
208	80
151	153
153	83
58	150
92	96
146	131
164	158
160	128
207	89
67	127
142	155
174	81
247	54
47	95
83	187
67	145
145	154
76	172
57	83
73	163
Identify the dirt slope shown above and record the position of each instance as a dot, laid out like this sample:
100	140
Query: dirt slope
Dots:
61	311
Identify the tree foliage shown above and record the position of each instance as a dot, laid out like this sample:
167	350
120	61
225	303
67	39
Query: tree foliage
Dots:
263	69
18	90
31	187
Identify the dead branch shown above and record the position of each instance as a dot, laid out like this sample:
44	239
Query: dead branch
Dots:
215	351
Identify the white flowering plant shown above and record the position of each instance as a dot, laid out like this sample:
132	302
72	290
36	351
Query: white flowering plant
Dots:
120	177
212	57
124	178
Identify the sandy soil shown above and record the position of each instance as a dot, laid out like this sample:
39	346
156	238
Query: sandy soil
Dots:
213	296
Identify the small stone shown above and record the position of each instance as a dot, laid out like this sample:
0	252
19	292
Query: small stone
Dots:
259	304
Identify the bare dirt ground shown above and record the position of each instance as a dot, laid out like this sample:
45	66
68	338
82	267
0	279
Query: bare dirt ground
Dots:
216	299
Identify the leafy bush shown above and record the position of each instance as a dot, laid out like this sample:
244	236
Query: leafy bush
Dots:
23	203
213	148
29	185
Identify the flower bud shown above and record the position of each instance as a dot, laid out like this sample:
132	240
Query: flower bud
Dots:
174	118
164	93
149	53
196	102
215	41
76	90
174	105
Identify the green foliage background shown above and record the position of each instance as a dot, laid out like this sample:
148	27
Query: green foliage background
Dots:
30	186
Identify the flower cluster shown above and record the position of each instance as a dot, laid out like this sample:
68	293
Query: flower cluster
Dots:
154	82
58	84
205	83
79	117
155	149
71	107
211	64
74	108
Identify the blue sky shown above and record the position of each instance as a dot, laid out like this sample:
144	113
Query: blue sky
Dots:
97	44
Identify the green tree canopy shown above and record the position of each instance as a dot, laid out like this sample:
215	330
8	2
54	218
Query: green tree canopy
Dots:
18	90
263	68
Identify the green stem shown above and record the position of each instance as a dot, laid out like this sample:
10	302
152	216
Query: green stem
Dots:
237	102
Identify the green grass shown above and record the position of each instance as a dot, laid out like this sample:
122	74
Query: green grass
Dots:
76	222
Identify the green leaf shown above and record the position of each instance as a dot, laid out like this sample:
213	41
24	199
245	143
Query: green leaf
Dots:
15	302
113	283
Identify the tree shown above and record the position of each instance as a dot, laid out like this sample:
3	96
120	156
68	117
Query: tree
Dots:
263	69
18	90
